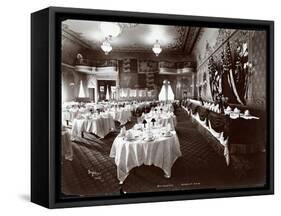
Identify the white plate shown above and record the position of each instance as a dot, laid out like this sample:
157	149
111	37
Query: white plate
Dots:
234	115
168	135
149	139
130	139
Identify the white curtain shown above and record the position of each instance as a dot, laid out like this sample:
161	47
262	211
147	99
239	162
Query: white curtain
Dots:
162	94
166	93
170	93
107	97
81	90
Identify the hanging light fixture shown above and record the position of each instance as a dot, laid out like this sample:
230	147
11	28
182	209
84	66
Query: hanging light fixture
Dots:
157	48
106	47
110	30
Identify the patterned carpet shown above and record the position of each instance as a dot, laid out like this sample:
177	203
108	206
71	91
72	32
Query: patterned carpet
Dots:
93	173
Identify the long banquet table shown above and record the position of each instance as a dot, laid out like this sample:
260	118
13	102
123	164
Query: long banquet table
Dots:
236	135
161	152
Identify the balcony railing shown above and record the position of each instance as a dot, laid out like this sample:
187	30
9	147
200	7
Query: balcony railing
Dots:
97	63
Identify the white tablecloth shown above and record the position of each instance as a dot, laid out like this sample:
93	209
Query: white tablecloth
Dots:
165	108
218	136
66	115
130	107
66	145
162	119
71	114
161	152
121	115
101	126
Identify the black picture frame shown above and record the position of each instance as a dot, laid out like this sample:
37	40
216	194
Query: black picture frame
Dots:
45	94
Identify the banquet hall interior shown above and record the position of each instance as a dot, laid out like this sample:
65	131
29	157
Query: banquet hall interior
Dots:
151	108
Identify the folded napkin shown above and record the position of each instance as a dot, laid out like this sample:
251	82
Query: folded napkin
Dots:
169	127
123	131
236	110
228	108
217	110
247	113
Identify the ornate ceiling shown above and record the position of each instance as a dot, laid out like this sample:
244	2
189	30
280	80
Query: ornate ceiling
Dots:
134	37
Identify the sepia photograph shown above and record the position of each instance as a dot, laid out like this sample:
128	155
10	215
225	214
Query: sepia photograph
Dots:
156	108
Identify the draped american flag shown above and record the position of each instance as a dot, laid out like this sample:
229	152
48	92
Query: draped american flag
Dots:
235	74
215	78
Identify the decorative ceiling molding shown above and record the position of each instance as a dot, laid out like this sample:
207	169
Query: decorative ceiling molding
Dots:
200	34
180	42
125	26
175	46
191	39
73	36
224	35
134	37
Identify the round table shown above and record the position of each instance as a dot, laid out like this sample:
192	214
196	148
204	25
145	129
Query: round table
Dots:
66	145
122	115
161	152
100	125
161	118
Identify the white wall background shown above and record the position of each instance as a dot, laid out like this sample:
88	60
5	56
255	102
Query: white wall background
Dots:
15	106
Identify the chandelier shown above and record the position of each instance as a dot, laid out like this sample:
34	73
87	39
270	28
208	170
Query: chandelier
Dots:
157	48
106	47
109	30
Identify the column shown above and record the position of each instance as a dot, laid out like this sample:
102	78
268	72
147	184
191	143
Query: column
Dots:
117	93
96	90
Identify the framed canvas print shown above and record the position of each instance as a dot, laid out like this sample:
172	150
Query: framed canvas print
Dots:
138	107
